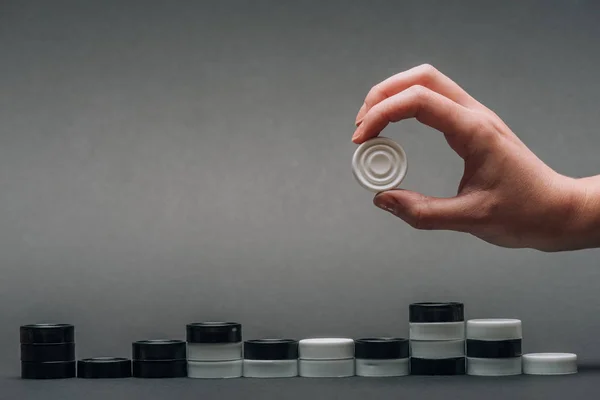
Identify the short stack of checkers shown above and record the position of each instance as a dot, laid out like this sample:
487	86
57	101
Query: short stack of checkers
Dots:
159	358
440	343
270	358
326	357
382	357
214	350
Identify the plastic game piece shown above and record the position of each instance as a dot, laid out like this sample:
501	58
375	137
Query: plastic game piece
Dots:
436	331
494	329
447	366
438	349
382	368
104	368
214	351
48	370
214	332
436	312
381	348
494	348
494	366
379	164
215	369
270	368
549	363
156	369
326	348
48	352
326	368
271	349
159	350
47	333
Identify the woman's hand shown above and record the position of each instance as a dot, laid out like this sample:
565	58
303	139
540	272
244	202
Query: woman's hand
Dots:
507	196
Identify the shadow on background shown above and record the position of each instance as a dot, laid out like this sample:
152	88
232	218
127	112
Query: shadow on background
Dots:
589	366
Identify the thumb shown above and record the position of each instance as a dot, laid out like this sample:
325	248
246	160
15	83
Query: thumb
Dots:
428	213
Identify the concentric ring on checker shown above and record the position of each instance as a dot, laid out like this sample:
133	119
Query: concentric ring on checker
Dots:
379	164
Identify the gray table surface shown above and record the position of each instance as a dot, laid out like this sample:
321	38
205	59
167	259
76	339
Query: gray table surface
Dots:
579	386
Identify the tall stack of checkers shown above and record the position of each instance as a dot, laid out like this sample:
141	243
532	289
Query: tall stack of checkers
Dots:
494	347
437	339
47	351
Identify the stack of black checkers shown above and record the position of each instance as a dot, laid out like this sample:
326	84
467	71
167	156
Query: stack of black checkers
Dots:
47	351
437	339
161	358
104	368
494	347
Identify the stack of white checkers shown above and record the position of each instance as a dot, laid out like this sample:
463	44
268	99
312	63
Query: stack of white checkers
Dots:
437	338
214	350
326	357
494	347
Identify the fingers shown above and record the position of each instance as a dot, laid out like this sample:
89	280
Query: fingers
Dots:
430	213
423	75
428	107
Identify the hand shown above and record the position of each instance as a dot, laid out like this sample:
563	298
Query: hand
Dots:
507	196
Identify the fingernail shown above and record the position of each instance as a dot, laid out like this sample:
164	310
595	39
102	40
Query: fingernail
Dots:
360	116
356	134
387	203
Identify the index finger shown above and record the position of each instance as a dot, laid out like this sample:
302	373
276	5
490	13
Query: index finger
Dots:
428	107
423	75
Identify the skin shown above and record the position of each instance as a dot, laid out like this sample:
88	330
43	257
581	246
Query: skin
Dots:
507	195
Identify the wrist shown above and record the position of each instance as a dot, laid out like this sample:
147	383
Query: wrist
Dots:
583	219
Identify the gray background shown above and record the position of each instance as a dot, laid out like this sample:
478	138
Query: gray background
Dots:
169	162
